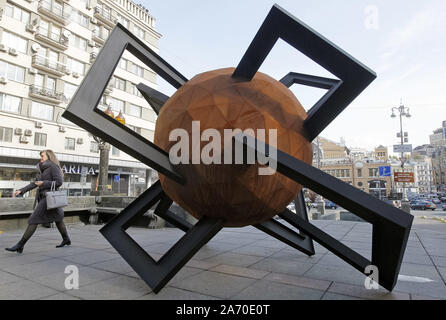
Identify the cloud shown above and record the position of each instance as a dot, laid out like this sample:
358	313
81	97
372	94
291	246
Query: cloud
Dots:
416	27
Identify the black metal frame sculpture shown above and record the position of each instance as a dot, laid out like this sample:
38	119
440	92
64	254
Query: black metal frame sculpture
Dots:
390	226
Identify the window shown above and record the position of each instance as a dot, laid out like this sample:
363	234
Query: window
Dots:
13	41
49	30
17	13
78	42
94	147
43	82
70	144
123	63
104	10
10	103
12	72
116	105
51	57
135	91
79	18
5	134
40	139
69	90
115	151
359	173
139	32
42	111
119	84
136	129
137	70
373	172
123	21
75	66
135	111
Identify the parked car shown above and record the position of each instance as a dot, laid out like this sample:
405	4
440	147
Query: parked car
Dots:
330	205
436	200
423	205
313	205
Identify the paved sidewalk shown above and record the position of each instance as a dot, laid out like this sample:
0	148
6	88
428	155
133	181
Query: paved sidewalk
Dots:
241	263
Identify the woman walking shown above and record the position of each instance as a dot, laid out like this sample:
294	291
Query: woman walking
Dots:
50	171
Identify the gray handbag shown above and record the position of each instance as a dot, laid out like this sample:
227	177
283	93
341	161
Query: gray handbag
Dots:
56	199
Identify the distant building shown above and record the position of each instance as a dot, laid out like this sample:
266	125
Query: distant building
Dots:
439	168
438	138
426	150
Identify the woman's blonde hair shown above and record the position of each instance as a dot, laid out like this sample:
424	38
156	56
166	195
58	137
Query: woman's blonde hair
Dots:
52	157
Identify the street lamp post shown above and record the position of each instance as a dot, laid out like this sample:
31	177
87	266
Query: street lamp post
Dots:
104	152
403	112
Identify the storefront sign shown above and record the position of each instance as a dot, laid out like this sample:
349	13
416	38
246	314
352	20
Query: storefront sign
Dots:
77	169
407	177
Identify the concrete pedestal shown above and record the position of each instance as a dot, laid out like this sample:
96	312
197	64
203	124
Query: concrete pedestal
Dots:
405	206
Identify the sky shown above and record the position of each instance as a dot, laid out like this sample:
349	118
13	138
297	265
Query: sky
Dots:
402	41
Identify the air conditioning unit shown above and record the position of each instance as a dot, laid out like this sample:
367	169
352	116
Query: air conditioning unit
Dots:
3	47
38	124
75	74
28	133
91	43
18	131
13	51
3	80
30	28
23	139
80	141
61	129
94	20
32	71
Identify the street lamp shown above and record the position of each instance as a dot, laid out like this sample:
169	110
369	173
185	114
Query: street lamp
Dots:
403	112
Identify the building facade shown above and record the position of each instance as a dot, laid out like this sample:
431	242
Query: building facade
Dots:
438	138
46	48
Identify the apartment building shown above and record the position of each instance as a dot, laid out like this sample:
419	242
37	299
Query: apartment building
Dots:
46	48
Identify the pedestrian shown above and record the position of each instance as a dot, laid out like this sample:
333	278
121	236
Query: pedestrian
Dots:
50	172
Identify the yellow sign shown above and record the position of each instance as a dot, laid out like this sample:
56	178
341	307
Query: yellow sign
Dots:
109	186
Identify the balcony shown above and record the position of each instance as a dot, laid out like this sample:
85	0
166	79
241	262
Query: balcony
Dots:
49	95
99	36
58	41
43	63
54	10
105	16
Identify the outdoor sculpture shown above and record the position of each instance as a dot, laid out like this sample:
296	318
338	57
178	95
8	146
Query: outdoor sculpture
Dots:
207	190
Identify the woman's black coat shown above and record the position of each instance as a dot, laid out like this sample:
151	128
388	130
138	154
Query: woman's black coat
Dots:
49	172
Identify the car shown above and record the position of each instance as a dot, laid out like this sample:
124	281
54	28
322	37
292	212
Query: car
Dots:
422	205
436	200
330	205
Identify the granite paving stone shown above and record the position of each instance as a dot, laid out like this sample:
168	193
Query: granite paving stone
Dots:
239	263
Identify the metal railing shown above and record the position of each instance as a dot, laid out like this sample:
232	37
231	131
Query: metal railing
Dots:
52	36
54	7
47	92
46	62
